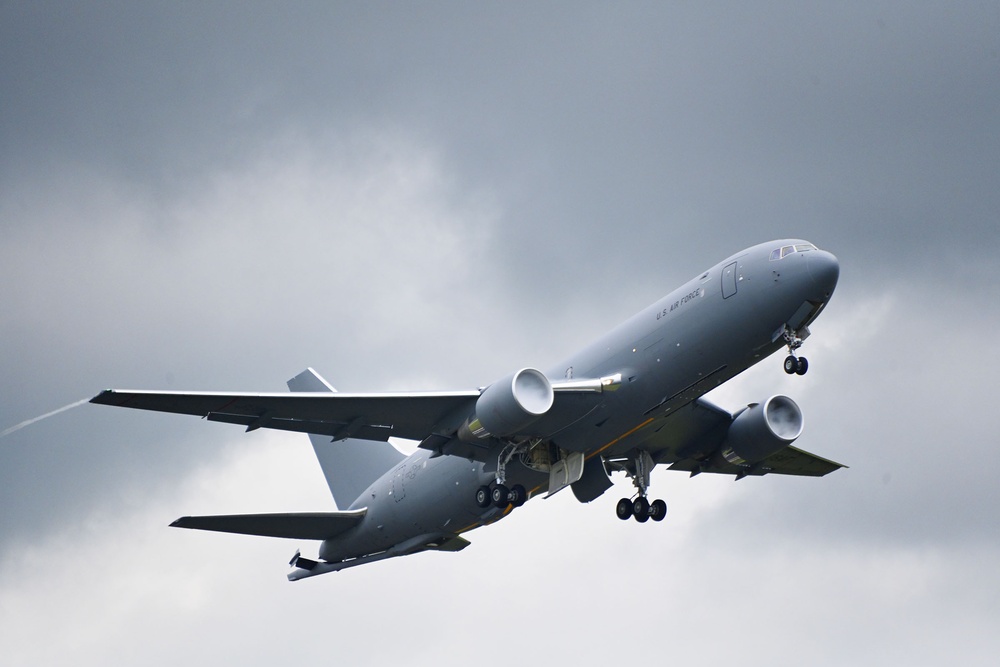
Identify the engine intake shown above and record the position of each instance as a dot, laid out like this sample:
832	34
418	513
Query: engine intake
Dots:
761	430
509	405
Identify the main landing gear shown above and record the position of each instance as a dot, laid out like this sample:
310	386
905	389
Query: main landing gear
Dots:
641	509
794	365
499	495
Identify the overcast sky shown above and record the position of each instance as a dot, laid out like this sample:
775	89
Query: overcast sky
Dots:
214	196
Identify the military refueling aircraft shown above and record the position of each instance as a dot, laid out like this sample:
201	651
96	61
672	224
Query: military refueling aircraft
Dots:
629	401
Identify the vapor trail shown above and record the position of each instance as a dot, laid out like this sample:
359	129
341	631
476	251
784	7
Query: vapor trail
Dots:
29	422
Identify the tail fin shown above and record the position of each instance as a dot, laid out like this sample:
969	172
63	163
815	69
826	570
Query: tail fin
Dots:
352	464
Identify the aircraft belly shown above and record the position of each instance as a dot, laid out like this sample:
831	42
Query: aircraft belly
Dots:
421	496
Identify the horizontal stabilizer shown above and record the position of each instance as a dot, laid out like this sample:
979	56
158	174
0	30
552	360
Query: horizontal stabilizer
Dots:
296	525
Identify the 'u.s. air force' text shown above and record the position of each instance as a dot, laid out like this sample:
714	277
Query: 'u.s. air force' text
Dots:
680	302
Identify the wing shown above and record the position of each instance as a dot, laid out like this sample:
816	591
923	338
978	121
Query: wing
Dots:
430	417
687	437
300	525
789	461
338	415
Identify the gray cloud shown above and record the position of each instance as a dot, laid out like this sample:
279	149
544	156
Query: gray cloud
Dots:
214	197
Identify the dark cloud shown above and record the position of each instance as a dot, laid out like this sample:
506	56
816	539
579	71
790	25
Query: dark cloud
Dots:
216	196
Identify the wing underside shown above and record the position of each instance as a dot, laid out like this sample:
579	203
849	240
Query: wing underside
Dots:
341	415
789	461
682	440
686	439
432	418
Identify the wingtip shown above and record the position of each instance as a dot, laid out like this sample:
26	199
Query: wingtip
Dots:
102	397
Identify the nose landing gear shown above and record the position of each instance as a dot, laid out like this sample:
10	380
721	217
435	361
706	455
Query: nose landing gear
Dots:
795	365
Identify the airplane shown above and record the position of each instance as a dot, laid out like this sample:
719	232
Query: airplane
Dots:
631	400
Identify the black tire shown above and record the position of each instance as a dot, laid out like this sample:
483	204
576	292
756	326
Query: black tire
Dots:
657	510
624	509
483	499
802	366
518	495
500	496
791	365
640	509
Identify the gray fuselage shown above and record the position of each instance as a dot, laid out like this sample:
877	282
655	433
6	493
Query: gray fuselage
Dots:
703	333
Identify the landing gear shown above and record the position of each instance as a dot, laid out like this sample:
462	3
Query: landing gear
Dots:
640	509
657	510
624	509
500	496
795	365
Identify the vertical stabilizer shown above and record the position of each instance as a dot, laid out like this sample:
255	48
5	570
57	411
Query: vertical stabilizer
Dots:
352	464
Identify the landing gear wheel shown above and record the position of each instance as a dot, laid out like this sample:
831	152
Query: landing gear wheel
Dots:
500	496
657	510
483	499
518	495
802	366
791	365
624	509
640	509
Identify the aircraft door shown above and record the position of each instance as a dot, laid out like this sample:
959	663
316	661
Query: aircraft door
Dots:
729	280
398	488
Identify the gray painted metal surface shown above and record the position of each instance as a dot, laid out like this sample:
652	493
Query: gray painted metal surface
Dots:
627	402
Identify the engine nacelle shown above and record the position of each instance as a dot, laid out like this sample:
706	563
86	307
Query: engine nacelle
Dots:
509	405
761	430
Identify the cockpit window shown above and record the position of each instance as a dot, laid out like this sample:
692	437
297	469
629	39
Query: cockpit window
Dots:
785	251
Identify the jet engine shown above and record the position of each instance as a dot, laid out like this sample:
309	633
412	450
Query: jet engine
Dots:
509	405
760	430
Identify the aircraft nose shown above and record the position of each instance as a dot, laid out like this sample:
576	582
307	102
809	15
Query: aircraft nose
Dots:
824	270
